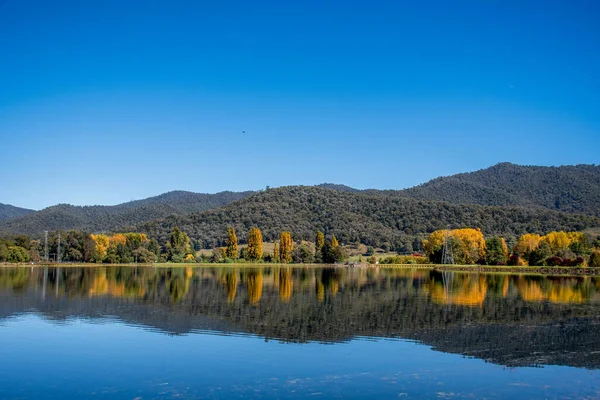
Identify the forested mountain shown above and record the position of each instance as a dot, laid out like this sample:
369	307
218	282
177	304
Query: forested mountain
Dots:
573	188
8	212
372	216
109	218
379	219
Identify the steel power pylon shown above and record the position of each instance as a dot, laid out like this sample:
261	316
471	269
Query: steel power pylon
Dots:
447	254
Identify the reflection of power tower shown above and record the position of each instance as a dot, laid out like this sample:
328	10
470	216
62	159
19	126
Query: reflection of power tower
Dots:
447	254
46	245
448	283
58	250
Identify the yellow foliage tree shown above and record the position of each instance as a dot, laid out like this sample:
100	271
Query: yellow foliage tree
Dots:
434	242
117	239
527	243
468	244
557	240
286	246
471	245
232	244
101	245
255	244
334	242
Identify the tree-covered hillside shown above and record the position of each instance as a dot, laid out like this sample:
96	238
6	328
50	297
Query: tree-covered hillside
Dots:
573	188
110	218
378	219
9	212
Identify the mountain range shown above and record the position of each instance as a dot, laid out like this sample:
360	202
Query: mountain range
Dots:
504	199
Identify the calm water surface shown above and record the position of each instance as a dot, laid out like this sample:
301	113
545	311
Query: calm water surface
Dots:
145	333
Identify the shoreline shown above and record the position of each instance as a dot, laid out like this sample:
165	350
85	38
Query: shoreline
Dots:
541	270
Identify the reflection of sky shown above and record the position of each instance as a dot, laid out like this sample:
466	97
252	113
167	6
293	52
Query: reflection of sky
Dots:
113	360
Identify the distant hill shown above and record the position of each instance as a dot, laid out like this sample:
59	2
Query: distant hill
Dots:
109	218
373	218
574	189
9	212
516	199
338	187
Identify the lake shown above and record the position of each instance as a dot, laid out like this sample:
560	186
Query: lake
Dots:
297	332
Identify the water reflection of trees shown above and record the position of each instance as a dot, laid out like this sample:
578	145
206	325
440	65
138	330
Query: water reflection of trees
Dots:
505	318
446	288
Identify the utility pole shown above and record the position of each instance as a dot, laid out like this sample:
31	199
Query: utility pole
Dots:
46	246
58	249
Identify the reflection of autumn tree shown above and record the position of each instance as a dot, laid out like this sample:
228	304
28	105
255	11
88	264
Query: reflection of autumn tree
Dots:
255	283
559	290
464	290
320	290
285	284
231	281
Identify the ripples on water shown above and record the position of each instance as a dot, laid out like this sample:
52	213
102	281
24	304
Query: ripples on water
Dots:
237	315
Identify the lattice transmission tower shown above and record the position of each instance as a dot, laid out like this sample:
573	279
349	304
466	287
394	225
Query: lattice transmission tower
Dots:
447	254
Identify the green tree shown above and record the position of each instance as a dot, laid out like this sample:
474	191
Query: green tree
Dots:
495	253
178	246
17	254
303	254
255	244
286	246
232	244
332	252
540	254
594	259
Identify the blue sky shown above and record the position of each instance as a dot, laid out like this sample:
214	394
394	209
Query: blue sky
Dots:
106	102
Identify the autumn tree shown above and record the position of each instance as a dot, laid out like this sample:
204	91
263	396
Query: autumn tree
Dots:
334	242
286	246
527	243
558	241
468	245
319	242
232	244
255	244
101	245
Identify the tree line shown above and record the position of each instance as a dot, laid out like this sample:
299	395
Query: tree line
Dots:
466	245
135	247
557	248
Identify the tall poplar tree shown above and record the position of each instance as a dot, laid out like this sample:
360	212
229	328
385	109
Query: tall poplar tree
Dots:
286	246
232	244
255	244
319	242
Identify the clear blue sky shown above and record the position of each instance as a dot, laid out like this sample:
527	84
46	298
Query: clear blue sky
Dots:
107	101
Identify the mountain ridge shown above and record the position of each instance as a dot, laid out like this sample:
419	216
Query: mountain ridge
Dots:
573	189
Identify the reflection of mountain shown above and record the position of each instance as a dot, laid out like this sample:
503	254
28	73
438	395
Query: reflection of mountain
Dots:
504	319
